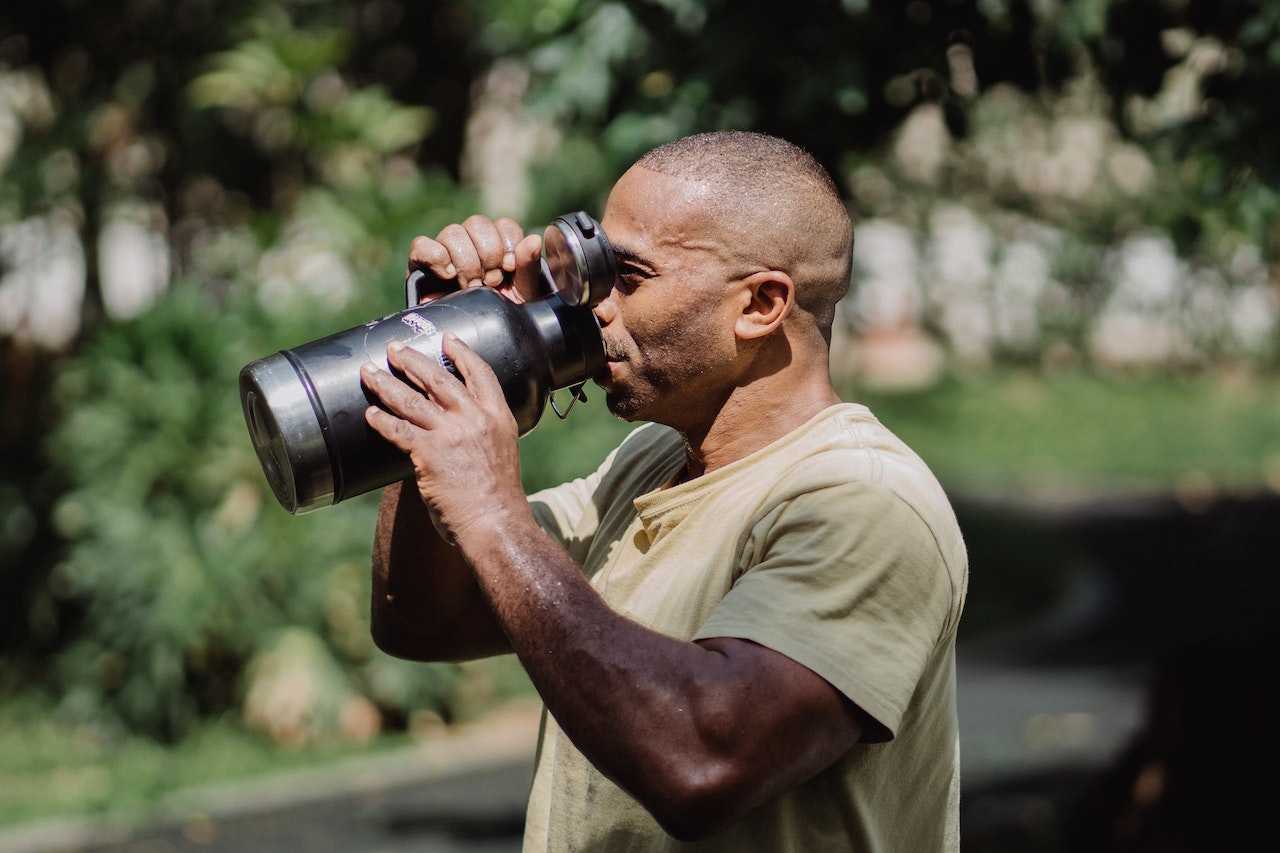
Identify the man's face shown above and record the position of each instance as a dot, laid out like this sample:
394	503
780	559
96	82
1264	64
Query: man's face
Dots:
668	322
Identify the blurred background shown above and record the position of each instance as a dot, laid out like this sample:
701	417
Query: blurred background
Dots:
1066	298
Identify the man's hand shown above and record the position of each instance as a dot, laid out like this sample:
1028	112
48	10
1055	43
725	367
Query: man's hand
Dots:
462	441
485	252
460	435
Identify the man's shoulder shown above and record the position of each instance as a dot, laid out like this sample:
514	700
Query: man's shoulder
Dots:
848	454
844	443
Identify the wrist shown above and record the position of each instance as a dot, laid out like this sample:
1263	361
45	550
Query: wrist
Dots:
493	527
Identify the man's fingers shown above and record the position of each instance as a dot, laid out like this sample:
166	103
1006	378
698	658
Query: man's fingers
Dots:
481	382
396	423
528	268
398	397
429	394
433	257
464	253
422	370
482	251
491	247
395	430
510	232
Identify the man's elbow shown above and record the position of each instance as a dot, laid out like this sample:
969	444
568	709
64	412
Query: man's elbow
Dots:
694	805
393	641
688	826
392	636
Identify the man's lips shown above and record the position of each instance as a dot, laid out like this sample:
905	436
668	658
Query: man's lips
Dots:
612	360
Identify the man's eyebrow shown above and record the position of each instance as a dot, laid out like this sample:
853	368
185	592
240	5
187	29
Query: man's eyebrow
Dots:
624	255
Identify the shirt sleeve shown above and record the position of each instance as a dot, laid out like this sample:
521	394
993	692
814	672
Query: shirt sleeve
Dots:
847	580
566	512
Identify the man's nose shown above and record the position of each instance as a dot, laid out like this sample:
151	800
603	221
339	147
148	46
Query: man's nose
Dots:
606	310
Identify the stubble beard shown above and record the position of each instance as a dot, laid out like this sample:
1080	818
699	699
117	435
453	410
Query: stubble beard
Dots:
668	372
664	391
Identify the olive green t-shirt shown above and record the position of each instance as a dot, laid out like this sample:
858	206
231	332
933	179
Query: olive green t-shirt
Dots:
835	546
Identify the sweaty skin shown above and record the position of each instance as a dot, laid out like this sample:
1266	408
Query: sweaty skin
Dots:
698	340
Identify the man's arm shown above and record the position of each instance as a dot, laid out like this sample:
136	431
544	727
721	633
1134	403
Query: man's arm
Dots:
699	733
425	604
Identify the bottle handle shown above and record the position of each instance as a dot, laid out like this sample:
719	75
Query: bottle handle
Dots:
413	291
576	394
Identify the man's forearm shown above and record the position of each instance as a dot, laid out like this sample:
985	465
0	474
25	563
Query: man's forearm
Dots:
425	601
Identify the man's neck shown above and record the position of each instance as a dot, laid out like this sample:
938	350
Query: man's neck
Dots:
753	417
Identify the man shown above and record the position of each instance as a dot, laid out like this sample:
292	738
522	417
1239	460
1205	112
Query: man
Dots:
742	625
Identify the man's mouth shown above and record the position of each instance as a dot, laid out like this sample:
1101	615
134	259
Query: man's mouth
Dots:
613	356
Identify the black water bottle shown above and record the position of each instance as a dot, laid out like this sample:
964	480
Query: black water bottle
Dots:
304	407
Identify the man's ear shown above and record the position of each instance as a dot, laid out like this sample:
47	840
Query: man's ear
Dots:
770	295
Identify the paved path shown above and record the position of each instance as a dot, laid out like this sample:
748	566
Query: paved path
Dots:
466	793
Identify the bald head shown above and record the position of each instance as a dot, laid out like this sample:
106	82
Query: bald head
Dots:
776	203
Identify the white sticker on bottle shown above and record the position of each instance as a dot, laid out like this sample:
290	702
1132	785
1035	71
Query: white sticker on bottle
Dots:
427	338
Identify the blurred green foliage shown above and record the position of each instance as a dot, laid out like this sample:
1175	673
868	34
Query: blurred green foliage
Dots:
288	150
1070	435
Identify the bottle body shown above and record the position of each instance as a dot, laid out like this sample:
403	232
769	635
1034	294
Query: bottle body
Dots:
305	406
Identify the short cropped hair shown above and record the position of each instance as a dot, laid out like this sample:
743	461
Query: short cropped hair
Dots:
781	203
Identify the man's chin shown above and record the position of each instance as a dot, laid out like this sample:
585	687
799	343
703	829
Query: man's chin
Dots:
621	406
616	404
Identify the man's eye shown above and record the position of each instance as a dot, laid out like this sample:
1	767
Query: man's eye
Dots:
630	276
